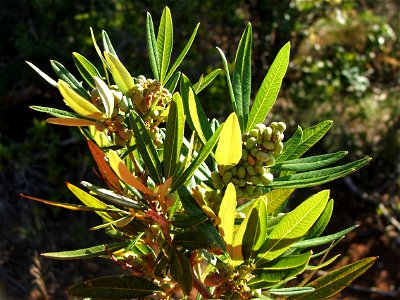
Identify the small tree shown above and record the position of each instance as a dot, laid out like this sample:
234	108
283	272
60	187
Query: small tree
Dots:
198	210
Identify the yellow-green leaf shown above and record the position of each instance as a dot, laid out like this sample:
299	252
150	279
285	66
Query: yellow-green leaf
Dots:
124	174
107	98
70	122
227	212
195	116
229	149
79	104
120	74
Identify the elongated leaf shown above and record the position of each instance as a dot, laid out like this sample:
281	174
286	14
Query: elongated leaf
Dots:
228	80
310	163
181	270
86	68
268	92
120	74
67	77
292	291
114	287
174	135
323	239
55	112
192	240
293	226
95	251
124	174
194	165
274	199
146	147
256	231
188	221
164	42
182	55
43	74
227	212
290	146
205	81
229	148
317	177
194	112
335	281
286	263
90	201
173	82
242	77
322	265
104	168
70	122
107	98
322	222
206	229
152	47
108	47
79	104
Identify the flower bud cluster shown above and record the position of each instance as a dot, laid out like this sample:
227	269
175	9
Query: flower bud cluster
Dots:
114	126
259	149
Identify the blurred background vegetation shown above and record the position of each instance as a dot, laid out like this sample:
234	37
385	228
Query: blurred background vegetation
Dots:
345	62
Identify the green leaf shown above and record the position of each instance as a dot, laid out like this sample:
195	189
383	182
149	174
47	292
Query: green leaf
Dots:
205	81
229	148
206	229
43	74
268	92
181	270
186	221
152	47
286	263
178	180
86	68
182	55
323	239
290	145
317	177
90	201
193	240
107	98
55	112
291	291
164	42
323	264
256	230
293	226
114	287
322	222
120	74
242	77
194	112
228	80
108	47
274	199
95	251
227	212
174	135
67	77
335	281
146	147
309	163
173	82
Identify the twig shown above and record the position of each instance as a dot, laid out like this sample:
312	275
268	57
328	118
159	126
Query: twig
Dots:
201	288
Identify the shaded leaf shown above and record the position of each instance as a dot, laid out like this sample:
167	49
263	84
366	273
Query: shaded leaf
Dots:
181	270
86	68
107	98
68	78
205	81
228	80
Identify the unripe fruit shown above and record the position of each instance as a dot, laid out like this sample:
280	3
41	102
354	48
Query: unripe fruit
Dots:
249	189
119	141
254	152
269	145
244	154
216	176
281	126
239	193
251	160
235	181
278	148
119	119
242	182
253	133
267	133
257	192
125	133
241	173
267	178
270	161
234	171
250	143
251	171
255	180
260	127
227	177
259	169
262	156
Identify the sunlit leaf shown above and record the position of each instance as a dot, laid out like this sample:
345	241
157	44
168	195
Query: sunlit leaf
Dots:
68	78
86	68
164	42
70	122
107	98
228	80
119	73
44	75
205	81
152	47
227	213
108	47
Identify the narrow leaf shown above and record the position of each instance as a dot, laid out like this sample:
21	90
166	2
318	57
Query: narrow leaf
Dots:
164	42
44	75
227	212
181	271
228	80
114	287
182	55
70	122
124	174
107	98
205	81
173	82
108	47
86	68
322	222
242	77
67	77
119	73
274	199
293	226
152	47
79	104
268	92
55	112
229	148
146	147
290	291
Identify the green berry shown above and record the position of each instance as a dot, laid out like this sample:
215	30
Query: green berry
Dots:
259	169
278	148
244	154
234	171
281	126
216	176
250	143
255	180
260	127
253	133
270	161
254	152
251	171
227	177
235	181
267	133
262	156
258	192
242	182
269	145
100	126
241	172
249	189
239	193
267	178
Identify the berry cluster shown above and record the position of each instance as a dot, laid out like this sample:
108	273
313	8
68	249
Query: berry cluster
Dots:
259	148
113	126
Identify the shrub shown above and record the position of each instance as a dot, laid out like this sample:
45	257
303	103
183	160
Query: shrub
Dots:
198	209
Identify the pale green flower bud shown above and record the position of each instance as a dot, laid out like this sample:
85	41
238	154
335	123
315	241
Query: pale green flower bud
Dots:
269	145
267	178
260	127
259	169
251	171
250	143
262	156
281	126
278	148
267	133
253	133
